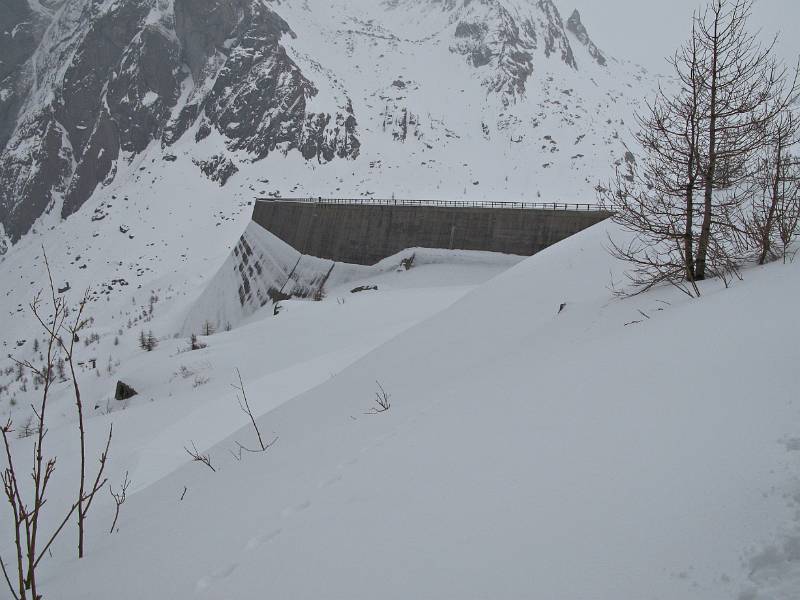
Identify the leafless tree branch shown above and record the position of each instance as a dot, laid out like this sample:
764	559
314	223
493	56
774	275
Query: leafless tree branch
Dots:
197	456
382	399
119	499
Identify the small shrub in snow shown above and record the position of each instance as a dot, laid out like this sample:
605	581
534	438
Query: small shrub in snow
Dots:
195	344
184	372
382	399
28	428
407	263
200	380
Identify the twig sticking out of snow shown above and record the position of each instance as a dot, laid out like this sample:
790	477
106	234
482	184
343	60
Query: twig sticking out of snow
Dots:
119	499
197	456
382	400
244	406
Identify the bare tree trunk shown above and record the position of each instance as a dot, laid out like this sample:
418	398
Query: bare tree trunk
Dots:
711	168
692	167
657	200
68	350
82	435
769	223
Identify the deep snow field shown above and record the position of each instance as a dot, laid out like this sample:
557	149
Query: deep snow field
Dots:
642	448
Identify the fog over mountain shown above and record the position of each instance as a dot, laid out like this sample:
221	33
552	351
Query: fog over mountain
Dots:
653	30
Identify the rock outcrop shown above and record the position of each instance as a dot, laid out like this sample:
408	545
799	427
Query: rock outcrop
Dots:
112	78
575	26
86	87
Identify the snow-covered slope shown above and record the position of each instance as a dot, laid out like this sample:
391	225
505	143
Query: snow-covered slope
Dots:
500	99
521	106
263	269
638	448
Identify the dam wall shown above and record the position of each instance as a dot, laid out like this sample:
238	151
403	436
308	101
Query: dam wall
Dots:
364	231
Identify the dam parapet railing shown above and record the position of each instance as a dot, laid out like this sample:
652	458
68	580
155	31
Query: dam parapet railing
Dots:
559	206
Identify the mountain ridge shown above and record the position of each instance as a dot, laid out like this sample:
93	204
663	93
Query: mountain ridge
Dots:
100	83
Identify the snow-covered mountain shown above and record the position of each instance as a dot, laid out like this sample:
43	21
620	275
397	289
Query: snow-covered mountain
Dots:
491	98
153	125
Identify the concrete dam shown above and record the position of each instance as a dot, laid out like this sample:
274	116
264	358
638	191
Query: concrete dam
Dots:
365	231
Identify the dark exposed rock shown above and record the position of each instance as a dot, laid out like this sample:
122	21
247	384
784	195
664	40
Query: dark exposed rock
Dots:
120	86
473	44
124	391
35	164
475	31
83	123
20	32
504	42
218	168
575	26
97	162
145	89
555	37
114	77
364	288
259	96
203	26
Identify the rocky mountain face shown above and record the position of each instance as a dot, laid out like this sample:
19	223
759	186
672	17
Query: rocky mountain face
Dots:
86	86
575	26
506	34
102	81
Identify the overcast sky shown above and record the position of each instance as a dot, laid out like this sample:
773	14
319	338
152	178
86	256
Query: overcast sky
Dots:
645	31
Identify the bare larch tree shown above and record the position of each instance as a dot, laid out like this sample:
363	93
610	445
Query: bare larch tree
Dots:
699	143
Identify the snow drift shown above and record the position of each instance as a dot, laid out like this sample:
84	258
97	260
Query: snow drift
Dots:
544	440
262	269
